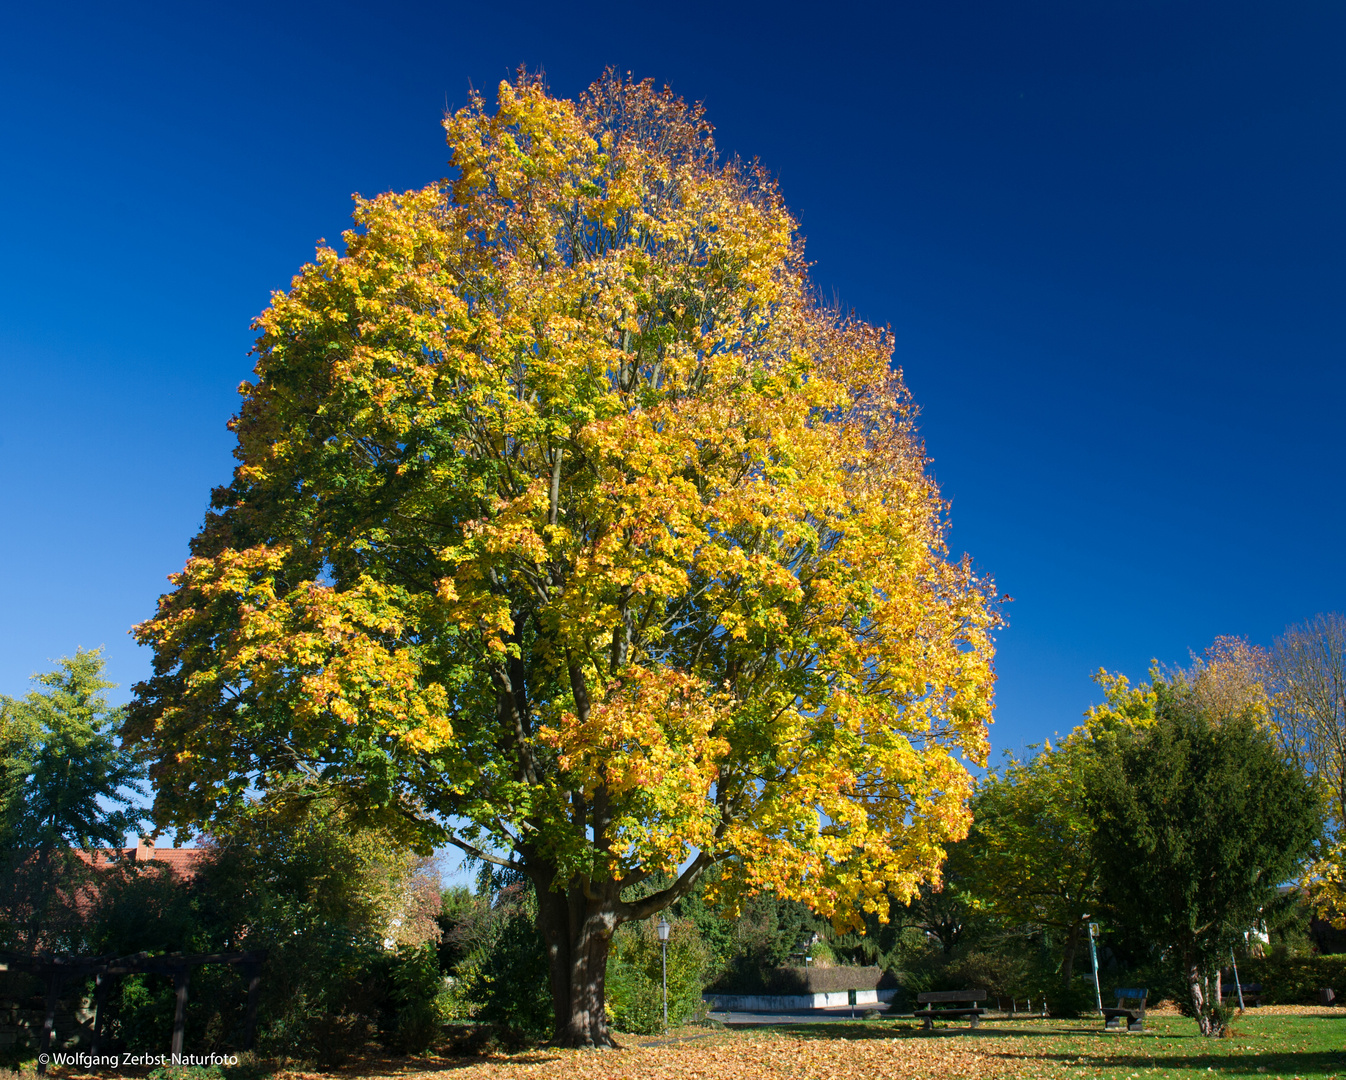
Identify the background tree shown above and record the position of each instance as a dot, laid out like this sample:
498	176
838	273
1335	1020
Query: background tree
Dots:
347	914
1308	668
637	972
68	785
570	529
348	918
1197	820
1232	678
947	912
502	979
1031	853
304	864
768	934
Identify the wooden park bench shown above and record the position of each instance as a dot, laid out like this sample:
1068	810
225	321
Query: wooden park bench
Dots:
1134	1015
957	1005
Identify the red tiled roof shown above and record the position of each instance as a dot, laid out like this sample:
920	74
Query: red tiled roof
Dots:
182	861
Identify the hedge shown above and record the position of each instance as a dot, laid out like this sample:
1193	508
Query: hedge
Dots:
1294	980
822	980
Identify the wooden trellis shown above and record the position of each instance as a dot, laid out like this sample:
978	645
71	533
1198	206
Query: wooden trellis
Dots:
57	970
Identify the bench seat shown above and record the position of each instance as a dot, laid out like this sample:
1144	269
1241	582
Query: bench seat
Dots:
958	1005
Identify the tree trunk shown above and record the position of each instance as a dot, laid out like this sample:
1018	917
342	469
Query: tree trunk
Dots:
1204	1004
577	931
1068	965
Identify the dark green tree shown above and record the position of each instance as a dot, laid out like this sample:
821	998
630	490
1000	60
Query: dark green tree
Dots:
1197	821
66	785
504	975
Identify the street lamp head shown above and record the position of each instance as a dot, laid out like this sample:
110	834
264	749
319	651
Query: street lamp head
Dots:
663	928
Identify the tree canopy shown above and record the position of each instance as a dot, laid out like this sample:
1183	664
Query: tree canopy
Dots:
66	783
1031	851
569	527
1198	818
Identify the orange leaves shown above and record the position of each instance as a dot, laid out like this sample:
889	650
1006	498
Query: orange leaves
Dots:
778	1055
651	746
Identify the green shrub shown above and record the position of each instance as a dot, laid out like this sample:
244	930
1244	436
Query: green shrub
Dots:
143	1011
417	985
822	953
635	976
187	1072
1001	973
504	980
309	1030
1079	1000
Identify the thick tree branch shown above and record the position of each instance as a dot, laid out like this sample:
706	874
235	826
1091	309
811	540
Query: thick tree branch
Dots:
484	856
643	909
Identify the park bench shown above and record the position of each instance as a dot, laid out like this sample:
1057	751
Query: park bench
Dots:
1134	1015
957	1004
1252	993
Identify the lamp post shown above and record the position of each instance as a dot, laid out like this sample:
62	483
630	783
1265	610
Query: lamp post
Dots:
1093	960
663	929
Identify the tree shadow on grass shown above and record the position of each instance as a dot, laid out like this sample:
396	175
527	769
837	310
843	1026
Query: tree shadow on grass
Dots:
1128	1051
436	1063
1292	1063
888	1029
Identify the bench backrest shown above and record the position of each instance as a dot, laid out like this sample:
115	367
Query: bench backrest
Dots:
951	995
1136	994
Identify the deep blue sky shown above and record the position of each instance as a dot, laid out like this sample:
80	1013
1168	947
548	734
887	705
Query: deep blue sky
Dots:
1108	237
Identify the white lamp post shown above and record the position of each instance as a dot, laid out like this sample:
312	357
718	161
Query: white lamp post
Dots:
663	929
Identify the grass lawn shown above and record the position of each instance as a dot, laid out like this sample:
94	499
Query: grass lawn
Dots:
1267	1044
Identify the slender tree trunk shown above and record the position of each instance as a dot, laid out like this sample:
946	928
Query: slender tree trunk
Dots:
1203	1001
1196	989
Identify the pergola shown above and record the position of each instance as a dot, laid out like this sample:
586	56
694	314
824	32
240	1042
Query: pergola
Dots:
57	970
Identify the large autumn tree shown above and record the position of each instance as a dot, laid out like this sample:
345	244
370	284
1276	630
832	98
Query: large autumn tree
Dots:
570	528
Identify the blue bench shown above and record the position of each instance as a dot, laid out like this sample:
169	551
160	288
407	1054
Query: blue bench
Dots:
1134	1014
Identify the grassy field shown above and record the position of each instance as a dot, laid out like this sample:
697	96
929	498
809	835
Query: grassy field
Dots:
1268	1044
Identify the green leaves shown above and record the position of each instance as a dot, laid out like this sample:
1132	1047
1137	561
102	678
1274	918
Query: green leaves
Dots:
1198	820
67	781
1030	852
67	784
